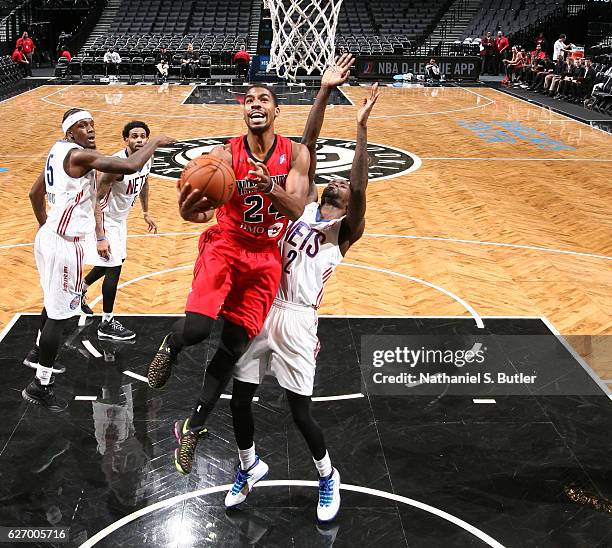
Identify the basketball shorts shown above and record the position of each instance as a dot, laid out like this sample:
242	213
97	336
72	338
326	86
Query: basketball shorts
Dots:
286	348
116	234
60	267
234	282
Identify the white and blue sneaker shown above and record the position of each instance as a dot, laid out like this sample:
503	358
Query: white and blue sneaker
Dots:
245	481
329	497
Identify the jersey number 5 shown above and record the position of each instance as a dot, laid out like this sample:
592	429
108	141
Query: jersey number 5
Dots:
256	203
49	171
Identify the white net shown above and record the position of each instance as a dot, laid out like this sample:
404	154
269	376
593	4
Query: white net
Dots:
303	35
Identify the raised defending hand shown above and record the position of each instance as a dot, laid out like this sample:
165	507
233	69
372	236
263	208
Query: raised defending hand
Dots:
366	106
337	74
193	207
261	176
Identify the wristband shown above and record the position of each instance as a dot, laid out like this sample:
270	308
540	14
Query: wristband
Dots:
271	189
101	239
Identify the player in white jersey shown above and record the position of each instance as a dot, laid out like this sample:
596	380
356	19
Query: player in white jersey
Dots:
117	195
287	345
68	182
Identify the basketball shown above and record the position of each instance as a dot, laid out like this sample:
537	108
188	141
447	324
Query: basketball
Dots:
211	175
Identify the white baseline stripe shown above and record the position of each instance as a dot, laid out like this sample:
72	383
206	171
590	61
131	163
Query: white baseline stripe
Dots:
135	376
296	483
338	398
483	400
9	325
92	349
86	398
463	303
498	244
229	397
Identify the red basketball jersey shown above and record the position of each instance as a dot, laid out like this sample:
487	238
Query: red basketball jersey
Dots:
250	216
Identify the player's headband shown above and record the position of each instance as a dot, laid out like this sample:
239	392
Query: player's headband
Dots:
74	118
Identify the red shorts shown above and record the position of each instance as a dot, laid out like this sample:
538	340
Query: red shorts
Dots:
234	282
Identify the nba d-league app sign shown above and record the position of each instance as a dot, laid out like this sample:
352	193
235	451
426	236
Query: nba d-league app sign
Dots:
334	158
453	67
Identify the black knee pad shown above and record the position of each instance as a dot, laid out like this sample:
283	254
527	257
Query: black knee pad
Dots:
197	328
112	274
234	339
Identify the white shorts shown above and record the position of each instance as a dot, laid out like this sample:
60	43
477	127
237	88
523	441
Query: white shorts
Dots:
60	266
286	348
116	234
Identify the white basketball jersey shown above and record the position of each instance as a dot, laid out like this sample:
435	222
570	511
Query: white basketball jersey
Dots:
122	194
71	201
310	253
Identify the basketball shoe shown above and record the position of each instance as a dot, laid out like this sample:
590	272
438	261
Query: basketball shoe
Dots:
244	482
329	497
31	360
43	395
188	441
114	330
161	367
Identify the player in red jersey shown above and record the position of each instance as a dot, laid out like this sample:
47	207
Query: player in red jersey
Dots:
237	271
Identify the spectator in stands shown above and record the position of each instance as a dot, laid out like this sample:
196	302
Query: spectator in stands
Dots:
537	53
242	60
66	54
555	73
163	63
432	70
547	68
61	41
112	59
501	51
27	45
536	64
572	73
20	58
515	62
188	63
560	49
540	41
584	86
522	66
488	53
565	70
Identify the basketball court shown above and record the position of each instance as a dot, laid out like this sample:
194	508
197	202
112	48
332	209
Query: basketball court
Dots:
487	217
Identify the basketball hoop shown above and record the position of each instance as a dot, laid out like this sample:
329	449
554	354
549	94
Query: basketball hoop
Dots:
303	35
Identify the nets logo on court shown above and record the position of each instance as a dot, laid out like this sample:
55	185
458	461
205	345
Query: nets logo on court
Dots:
334	158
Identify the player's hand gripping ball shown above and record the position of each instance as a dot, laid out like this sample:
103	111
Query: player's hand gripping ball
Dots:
213	177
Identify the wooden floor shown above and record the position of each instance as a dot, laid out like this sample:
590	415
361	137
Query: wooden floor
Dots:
494	228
